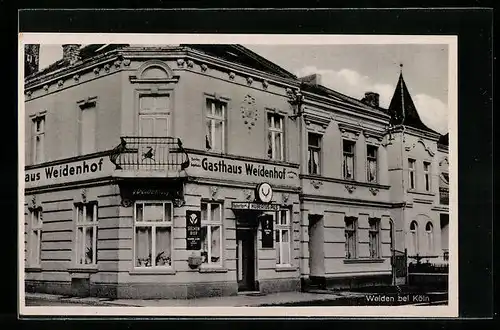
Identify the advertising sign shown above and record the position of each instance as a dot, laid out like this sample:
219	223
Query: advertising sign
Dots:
255	206
193	230
267	231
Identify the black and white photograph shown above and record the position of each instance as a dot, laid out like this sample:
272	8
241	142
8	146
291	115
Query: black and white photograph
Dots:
238	175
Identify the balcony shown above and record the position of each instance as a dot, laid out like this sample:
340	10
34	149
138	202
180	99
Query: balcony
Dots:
163	156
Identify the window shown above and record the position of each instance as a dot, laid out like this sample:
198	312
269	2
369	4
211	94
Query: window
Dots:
38	139
348	162
414	238
283	237
86	233
430	238
350	238
411	173
215	121
211	233
391	234
371	161
427	177
153	234
153	115
374	241
314	153
88	129
35	237
275	137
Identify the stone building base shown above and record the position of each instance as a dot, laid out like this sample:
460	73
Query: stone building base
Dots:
345	283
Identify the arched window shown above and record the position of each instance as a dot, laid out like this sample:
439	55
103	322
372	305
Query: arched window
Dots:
414	238
430	238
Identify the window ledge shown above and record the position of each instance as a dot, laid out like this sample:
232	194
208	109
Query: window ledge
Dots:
33	269
152	271
363	261
285	268
213	269
83	269
418	192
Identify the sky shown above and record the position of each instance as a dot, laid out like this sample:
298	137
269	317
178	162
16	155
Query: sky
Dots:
356	69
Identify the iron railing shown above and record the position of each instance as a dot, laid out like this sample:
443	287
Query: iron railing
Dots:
150	153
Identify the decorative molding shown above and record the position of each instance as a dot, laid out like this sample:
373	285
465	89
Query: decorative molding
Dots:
249	111
249	81
190	64
445	159
87	102
28	94
46	88
284	198
291	174
373	190
349	131
179	202
180	62
126	202
421	141
204	67
350	188
33	202
106	67
60	83
232	75
96	71
76	77
265	84
118	63
316	183
315	122
126	62
213	191
248	194
83	193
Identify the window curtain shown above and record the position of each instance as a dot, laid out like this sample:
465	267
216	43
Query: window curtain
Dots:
143	246
348	166
372	171
163	244
215	257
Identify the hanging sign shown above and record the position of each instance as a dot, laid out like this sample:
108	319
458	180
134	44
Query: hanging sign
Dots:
267	231
264	192
251	206
193	230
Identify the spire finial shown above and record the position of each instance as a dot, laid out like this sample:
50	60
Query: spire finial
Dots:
400	67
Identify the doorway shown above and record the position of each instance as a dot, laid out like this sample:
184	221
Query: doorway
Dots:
245	252
316	244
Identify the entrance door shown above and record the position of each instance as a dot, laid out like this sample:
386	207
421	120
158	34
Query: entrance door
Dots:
246	259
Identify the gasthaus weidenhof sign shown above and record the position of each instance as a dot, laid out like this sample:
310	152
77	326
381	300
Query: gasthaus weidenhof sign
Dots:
242	170
80	170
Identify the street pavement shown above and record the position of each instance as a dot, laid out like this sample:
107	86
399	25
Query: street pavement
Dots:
312	298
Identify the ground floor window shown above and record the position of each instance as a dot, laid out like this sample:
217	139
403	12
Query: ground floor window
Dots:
35	236
153	234
211	233
283	237
86	233
374	236
350	238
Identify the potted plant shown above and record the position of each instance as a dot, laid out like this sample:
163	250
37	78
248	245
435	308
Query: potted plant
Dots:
194	260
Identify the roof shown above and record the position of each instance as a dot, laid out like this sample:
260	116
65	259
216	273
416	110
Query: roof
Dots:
402	109
327	92
444	140
241	55
86	52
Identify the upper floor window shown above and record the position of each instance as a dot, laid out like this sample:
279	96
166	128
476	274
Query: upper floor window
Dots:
215	125
154	115
283	237
86	233
314	153
211	233
35	236
371	161
348	159
411	173
275	136
38	142
374	242
350	238
427	176
153	234
87	123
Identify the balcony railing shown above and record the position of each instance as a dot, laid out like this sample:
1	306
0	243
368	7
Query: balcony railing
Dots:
150	154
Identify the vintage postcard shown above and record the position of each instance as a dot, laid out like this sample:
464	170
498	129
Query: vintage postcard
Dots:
238	175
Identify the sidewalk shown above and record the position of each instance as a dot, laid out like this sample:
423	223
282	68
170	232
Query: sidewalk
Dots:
229	301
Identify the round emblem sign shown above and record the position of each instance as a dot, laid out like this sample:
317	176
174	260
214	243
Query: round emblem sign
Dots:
265	192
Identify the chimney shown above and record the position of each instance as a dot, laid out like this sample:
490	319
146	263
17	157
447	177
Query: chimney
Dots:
313	79
71	53
31	59
372	99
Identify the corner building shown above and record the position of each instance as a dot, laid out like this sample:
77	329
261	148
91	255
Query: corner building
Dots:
201	170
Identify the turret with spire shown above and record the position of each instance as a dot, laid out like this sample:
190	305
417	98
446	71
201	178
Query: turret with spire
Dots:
402	109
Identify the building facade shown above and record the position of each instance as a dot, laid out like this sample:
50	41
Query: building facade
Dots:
200	170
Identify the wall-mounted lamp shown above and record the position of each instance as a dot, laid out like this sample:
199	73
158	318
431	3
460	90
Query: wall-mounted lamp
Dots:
295	98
